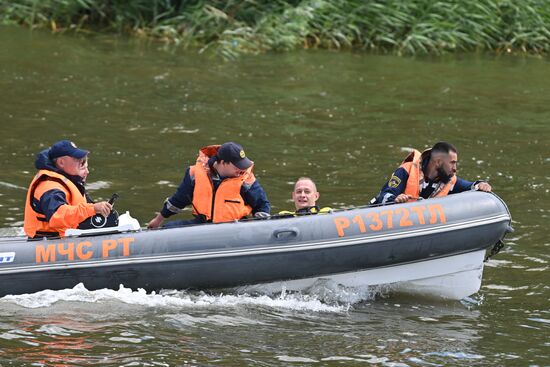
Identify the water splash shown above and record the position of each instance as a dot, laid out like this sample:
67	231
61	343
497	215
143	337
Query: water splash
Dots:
323	290
473	301
172	299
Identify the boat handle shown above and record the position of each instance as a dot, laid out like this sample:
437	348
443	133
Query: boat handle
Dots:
282	233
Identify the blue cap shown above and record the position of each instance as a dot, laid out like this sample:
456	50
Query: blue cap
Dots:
66	147
234	153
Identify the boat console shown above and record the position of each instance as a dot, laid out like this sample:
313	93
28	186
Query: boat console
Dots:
125	223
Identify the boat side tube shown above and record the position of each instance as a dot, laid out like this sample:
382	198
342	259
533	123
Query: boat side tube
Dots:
240	253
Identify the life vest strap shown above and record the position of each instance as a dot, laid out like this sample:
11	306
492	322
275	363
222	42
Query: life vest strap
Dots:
39	180
43	234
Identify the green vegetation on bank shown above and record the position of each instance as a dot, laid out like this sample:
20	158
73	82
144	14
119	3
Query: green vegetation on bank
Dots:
231	27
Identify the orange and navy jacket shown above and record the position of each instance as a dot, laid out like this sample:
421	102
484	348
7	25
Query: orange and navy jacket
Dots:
409	179
54	202
214	198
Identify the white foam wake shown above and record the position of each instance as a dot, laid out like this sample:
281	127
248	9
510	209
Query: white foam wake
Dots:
173	299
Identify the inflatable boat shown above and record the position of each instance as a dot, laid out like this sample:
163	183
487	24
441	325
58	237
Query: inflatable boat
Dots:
435	247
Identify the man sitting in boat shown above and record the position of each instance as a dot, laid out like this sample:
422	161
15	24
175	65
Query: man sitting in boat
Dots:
220	187
56	198
427	175
305	196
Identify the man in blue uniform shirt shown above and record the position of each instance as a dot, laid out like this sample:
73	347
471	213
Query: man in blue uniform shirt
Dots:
217	166
427	175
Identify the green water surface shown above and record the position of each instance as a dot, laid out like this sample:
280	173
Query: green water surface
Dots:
344	119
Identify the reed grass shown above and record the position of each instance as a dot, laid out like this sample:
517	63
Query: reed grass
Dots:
232	27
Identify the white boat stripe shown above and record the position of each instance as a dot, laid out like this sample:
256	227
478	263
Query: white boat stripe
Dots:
259	250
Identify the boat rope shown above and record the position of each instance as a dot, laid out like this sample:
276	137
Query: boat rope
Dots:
495	250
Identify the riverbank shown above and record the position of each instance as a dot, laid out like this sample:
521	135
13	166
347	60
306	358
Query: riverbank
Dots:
230	28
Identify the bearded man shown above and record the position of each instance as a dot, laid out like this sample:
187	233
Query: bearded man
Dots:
425	175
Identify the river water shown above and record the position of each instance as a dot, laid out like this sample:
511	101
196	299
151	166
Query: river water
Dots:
344	119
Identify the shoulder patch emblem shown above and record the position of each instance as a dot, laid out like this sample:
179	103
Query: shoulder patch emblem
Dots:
394	181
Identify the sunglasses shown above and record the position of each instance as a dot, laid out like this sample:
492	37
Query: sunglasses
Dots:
82	162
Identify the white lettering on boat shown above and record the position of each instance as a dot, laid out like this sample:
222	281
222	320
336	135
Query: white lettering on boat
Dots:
7	257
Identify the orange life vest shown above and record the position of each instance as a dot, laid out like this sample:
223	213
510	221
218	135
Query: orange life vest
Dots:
65	217
224	205
412	165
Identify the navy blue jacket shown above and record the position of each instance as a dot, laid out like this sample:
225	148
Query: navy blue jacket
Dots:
397	183
253	195
51	200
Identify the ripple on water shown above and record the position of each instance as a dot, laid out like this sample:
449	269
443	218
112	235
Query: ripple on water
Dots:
536	319
15	230
11	186
56	330
456	355
15	334
179	129
97	185
284	358
504	287
187	320
493	263
126	339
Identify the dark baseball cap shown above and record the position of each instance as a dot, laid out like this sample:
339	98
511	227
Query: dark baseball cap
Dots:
234	153
66	147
